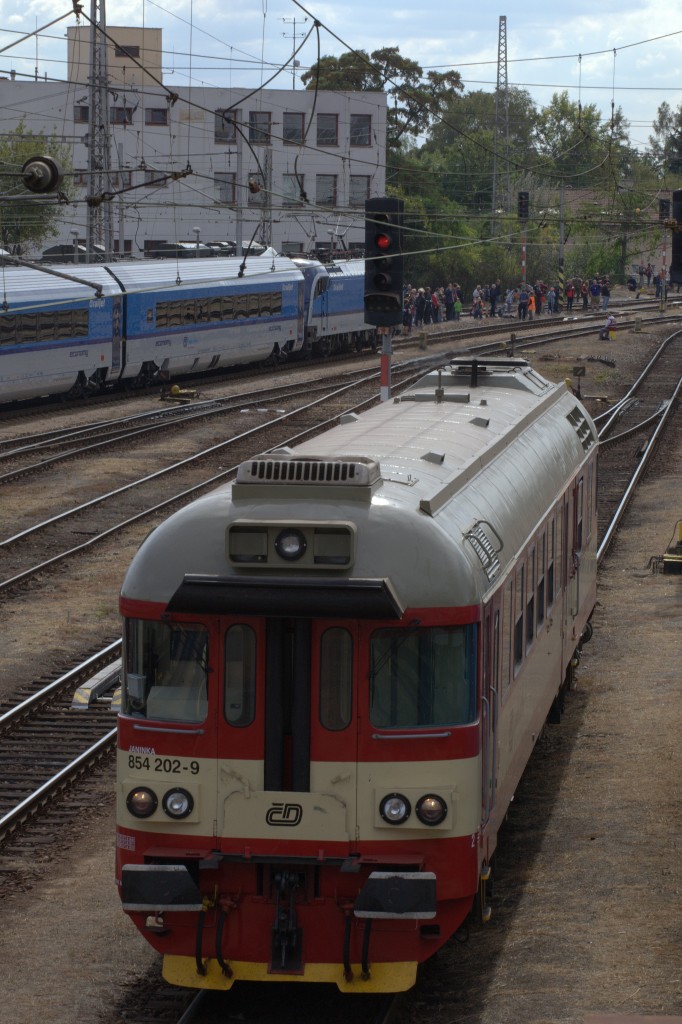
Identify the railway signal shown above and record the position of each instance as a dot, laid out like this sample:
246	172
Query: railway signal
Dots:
383	262
524	204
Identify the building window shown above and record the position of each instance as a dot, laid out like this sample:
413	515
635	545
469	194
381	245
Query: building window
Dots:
256	194
81	114
292	187
360	130
291	248
156	115
292	128
126	51
121	179
359	189
121	115
325	190
156	178
225	129
327	129
224	183
127	245
259	126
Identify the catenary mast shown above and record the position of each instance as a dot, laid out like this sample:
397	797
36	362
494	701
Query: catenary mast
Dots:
100	215
501	137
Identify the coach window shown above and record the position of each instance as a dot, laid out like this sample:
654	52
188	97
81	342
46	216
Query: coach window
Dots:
530	598
422	677
559	560
336	678
165	674
551	559
507	633
518	616
240	675
579	498
541	578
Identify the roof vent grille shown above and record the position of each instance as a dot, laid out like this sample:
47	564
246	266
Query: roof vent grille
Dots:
485	549
578	420
268	469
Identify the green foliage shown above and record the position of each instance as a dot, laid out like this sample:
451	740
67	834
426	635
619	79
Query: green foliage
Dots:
666	142
415	99
444	156
27	220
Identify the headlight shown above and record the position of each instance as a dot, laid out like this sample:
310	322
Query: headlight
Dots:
178	803
395	808
431	809
142	802
290	544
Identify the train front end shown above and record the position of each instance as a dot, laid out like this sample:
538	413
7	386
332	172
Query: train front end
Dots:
299	777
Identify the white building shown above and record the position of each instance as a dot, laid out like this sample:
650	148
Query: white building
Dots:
287	168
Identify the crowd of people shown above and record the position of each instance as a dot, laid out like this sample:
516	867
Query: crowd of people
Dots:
424	306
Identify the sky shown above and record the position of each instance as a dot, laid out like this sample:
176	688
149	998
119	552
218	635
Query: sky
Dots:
608	52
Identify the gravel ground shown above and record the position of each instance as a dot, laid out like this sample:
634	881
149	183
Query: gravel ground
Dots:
587	900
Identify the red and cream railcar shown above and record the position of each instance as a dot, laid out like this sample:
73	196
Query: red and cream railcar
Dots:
335	671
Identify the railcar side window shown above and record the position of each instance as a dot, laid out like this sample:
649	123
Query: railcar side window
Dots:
518	617
336	678
165	671
240	675
579	498
559	549
19	328
179	312
541	579
590	499
551	552
423	677
530	599
507	633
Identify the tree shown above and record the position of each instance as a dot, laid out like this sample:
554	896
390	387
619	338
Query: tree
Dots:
27	220
666	142
418	99
462	146
574	144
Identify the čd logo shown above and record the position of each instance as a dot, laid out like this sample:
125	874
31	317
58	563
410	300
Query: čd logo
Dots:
284	814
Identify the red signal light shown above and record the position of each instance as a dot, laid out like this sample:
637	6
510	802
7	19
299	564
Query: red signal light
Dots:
383	241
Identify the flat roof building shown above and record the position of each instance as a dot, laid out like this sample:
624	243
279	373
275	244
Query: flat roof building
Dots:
288	168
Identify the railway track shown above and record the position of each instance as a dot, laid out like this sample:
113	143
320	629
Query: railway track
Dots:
456	333
48	742
37	548
41	716
626	431
52	813
43	450
277	1003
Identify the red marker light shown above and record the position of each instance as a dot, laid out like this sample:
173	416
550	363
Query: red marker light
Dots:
383	241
